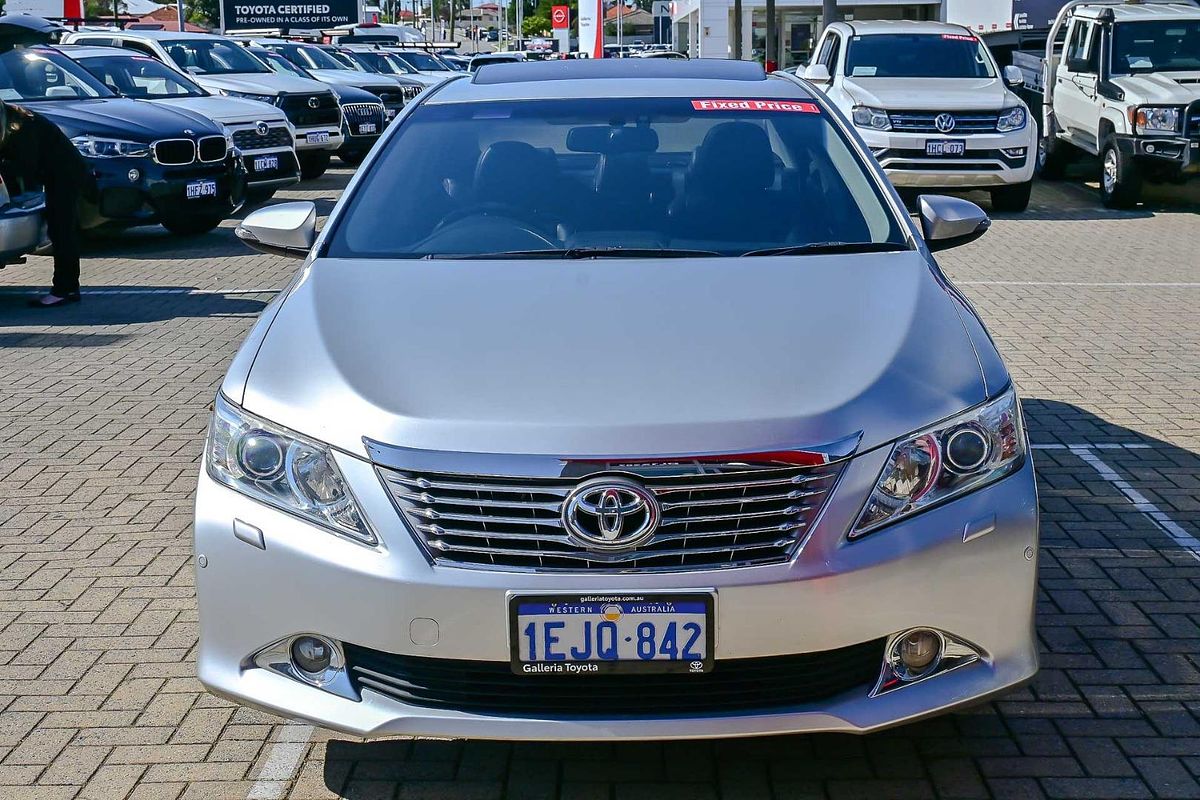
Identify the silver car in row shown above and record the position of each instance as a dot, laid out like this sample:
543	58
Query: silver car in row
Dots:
694	440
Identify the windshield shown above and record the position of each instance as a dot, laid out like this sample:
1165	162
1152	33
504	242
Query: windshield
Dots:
212	56
312	57
141	77
281	65
924	55
1167	46
45	75
345	60
383	63
422	61
656	176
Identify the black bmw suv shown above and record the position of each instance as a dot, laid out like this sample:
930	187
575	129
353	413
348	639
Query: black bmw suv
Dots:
148	163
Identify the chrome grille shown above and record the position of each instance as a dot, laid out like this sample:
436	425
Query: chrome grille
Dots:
358	114
713	516
174	152
923	122
212	148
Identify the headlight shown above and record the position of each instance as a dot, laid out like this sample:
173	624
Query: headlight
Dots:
1156	120
977	447
867	117
100	147
262	98
282	469
1011	119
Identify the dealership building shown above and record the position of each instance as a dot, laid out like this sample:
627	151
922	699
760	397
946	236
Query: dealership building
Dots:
706	28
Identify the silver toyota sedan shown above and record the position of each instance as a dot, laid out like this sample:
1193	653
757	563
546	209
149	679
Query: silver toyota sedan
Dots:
616	399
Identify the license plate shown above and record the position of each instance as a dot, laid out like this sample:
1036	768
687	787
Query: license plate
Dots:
594	634
198	189
946	147
366	127
266	163
318	137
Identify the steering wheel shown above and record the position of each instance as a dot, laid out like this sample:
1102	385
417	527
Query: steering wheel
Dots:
519	235
500	211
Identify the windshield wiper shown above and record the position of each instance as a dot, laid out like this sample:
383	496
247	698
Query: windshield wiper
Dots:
582	252
828	247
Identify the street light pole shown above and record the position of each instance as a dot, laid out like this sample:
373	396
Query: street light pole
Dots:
829	13
772	59
737	30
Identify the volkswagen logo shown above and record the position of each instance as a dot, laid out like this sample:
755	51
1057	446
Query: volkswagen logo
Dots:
944	122
313	102
261	128
611	514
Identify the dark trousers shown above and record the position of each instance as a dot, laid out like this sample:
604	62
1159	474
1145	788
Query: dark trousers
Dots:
62	223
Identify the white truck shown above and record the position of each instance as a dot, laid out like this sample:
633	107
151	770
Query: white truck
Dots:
1119	79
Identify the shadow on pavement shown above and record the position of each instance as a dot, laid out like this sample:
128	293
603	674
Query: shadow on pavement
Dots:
122	305
1119	680
53	340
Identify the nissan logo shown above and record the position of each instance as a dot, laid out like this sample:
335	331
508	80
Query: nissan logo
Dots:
944	122
313	102
611	514
261	128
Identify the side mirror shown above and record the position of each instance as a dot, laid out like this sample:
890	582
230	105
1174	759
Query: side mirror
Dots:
286	229
950	221
817	73
1077	65
1013	77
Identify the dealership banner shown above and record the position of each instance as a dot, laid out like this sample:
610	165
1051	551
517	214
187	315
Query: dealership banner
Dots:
240	15
591	28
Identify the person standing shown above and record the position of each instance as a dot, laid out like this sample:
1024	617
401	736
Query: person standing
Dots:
35	153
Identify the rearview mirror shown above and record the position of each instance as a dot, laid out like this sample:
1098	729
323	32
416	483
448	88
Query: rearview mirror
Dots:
1013	77
286	229
950	221
817	73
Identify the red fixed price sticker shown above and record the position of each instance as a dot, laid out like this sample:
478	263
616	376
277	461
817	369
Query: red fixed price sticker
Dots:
756	105
959	37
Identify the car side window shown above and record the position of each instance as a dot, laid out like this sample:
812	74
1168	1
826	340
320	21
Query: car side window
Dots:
139	47
834	52
1077	45
1093	49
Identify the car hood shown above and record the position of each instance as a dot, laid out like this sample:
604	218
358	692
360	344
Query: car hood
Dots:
271	83
1167	88
140	120
230	110
615	357
345	77
935	94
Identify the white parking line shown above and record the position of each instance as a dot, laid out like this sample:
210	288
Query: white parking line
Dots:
1156	515
1105	446
282	762
1113	284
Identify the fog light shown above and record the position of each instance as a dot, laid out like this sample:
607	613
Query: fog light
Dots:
919	651
312	656
1013	152
133	175
1151	148
967	449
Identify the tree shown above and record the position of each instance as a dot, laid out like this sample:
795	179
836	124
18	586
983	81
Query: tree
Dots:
203	12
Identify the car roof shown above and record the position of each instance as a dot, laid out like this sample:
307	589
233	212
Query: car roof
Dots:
902	26
1139	11
595	78
172	35
95	51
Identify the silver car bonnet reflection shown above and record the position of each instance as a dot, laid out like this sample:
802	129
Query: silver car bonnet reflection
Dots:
557	357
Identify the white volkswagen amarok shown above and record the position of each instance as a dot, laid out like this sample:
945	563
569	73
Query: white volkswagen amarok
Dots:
932	105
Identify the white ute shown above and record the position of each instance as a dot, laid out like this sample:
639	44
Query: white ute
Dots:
930	102
1122	84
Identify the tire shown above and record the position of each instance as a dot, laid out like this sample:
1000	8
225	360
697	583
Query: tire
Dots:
1012	199
1120	178
313	165
352	158
256	196
191	226
1050	158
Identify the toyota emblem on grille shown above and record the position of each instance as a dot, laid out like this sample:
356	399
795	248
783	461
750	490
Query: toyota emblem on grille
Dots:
611	514
313	102
261	128
944	122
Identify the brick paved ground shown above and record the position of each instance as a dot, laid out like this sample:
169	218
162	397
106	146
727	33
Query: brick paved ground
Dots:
102	411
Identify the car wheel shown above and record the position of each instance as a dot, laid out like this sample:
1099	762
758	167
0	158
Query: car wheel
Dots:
257	196
313	165
1120	179
1051	158
191	226
1012	199
352	158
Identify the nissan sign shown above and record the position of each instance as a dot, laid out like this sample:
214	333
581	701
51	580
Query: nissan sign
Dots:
237	15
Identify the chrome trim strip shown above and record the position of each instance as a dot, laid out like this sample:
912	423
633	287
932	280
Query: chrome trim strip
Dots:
512	465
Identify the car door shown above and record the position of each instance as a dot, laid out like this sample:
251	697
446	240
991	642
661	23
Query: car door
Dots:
1076	80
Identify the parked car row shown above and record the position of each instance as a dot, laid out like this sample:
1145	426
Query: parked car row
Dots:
182	129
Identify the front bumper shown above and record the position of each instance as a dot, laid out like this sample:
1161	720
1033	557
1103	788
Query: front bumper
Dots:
126	192
835	594
985	163
271	168
1164	157
312	138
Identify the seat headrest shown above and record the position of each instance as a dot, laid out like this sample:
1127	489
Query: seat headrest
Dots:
506	168
734	155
